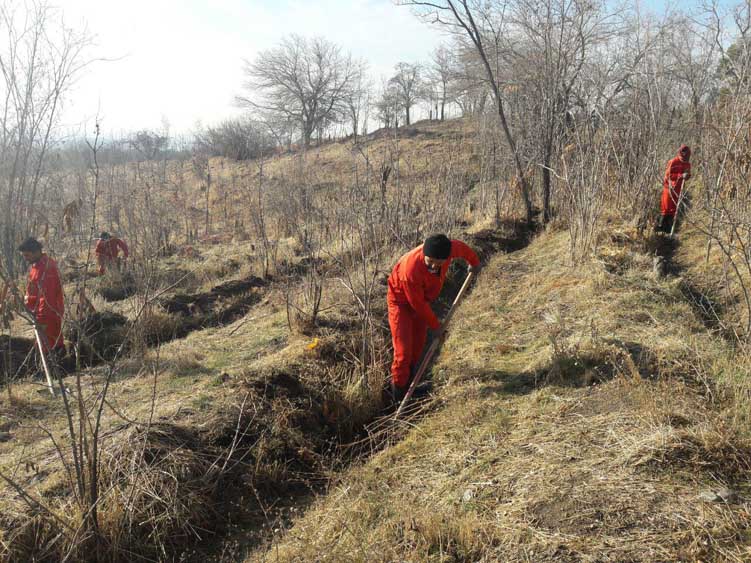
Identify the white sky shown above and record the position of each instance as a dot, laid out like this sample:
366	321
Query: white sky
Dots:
181	60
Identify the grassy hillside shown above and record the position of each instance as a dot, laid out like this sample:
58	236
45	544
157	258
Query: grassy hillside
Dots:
587	413
225	397
579	419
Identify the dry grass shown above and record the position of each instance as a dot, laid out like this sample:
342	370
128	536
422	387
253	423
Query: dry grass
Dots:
581	413
165	487
580	420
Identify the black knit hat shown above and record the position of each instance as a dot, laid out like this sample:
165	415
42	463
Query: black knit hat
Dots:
104	236
30	245
437	246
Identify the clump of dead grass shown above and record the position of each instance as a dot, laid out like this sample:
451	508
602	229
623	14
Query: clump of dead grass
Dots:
711	446
164	481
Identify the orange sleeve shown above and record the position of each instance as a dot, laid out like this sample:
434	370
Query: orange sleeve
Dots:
123	247
415	295
50	303
463	251
666	179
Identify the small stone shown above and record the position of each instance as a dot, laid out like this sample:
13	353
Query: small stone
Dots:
727	495
709	496
720	495
468	495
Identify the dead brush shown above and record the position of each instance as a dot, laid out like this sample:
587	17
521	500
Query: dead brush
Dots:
711	446
154	326
584	361
351	402
34	537
162	481
453	539
161	488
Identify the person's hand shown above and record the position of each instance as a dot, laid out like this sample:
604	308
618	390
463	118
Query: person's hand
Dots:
475	269
440	333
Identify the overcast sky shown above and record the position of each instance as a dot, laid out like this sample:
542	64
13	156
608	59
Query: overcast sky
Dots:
181	60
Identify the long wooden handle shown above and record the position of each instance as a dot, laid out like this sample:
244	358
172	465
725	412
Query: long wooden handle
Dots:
678	207
433	346
43	355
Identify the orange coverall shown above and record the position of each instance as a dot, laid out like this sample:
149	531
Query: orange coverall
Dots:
44	298
673	181
107	252
411	289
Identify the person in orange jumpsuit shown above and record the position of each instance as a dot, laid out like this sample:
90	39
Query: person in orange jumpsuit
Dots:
414	283
44	294
108	252
676	173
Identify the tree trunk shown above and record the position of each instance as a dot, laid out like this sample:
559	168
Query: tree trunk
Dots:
208	193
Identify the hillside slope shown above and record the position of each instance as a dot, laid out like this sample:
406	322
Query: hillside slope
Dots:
227	396
577	420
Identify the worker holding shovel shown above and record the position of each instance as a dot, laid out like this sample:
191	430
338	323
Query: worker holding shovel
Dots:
414	283
44	299
676	173
107	253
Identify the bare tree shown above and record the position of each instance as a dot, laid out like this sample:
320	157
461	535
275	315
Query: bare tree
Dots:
387	106
442	75
408	87
482	22
553	39
303	80
39	60
357	99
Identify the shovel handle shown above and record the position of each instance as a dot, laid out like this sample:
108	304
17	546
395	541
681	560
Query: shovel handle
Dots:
42	353
678	207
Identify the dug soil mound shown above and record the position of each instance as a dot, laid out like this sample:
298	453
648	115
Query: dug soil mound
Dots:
202	303
100	336
117	287
15	356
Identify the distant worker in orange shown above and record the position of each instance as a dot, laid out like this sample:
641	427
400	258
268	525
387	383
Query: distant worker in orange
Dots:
676	173
44	294
415	282
108	252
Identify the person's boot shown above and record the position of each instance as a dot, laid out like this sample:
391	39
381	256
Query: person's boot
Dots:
668	224
423	389
660	227
398	393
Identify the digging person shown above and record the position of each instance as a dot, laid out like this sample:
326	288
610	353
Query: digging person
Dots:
44	297
677	172
108	253
414	283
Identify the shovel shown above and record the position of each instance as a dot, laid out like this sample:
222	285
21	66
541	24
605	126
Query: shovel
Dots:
678	207
45	365
433	346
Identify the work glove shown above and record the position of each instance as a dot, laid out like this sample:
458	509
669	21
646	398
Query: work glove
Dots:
475	269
